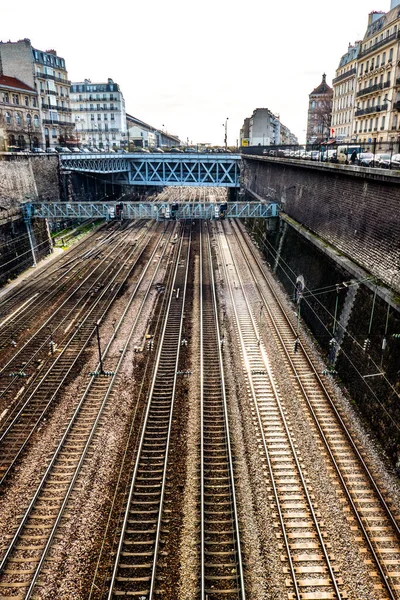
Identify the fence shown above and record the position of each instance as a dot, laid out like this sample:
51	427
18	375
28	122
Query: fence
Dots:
381	154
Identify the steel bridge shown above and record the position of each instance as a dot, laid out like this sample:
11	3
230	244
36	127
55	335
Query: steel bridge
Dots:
139	168
149	210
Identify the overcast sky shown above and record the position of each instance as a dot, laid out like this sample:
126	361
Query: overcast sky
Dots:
189	65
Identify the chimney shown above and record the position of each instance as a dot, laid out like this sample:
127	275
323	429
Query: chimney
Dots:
377	14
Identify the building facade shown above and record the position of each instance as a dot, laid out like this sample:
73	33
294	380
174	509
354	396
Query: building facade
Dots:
141	134
344	89
46	74
378	79
264	128
319	113
98	114
20	124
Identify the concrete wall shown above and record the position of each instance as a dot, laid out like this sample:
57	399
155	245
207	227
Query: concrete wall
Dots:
32	176
354	209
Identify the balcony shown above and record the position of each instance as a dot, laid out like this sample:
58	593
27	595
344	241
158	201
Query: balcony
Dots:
50	121
54	78
344	75
386	84
380	44
60	108
396	105
369	90
370	109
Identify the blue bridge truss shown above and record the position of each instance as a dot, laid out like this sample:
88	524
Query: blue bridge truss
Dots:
139	168
150	210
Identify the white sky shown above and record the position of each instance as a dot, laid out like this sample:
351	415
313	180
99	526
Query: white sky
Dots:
189	65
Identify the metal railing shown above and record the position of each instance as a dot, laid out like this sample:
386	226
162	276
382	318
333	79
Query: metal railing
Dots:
370	109
328	152
344	75
386	40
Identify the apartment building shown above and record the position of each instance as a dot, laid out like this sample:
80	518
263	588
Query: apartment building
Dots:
378	79
44	72
98	113
20	124
344	89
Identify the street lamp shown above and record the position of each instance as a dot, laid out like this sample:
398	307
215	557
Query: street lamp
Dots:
226	132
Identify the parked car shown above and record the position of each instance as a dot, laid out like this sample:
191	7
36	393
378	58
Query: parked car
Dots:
63	150
86	150
315	155
51	151
158	150
365	159
395	162
175	149
75	149
383	161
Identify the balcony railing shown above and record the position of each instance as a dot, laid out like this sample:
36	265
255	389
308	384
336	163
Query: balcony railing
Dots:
88	110
344	75
54	78
370	109
386	84
386	40
60	108
369	90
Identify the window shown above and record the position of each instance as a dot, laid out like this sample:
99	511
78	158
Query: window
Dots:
99	117
26	100
362	69
46	132
8	118
28	119
383	58
383	122
53	133
5	97
36	120
112	117
92	117
98	106
377	61
105	117
18	118
15	99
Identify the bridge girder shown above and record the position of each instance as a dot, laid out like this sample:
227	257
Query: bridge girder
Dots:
209	170
150	210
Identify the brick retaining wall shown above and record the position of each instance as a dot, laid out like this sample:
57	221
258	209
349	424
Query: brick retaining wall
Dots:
354	209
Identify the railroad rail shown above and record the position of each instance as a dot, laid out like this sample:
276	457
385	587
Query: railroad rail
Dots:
137	554
22	562
35	400
310	567
221	561
377	527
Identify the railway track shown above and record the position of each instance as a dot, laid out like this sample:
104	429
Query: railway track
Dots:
311	570
57	298
35	399
31	544
375	527
221	562
21	306
135	569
